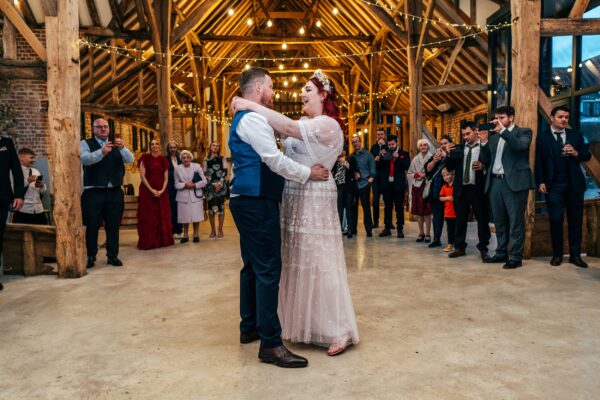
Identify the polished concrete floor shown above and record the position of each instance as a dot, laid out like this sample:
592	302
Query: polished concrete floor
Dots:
165	327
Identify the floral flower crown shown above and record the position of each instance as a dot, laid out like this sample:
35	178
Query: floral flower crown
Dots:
323	79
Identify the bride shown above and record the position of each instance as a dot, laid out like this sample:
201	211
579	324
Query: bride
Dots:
314	298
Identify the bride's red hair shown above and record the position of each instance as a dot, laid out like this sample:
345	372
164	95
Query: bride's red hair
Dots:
330	108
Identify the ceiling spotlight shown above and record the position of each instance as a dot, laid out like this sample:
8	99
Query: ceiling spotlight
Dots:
305	65
285	83
318	24
269	23
230	12
335	11
284	46
280	67
294	79
301	31
249	21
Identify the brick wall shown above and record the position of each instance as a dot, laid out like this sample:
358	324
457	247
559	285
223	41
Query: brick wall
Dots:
450	123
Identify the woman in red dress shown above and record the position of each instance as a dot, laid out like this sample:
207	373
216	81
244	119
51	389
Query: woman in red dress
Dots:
154	210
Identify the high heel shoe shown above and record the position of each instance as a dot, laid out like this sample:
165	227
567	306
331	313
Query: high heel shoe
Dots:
420	238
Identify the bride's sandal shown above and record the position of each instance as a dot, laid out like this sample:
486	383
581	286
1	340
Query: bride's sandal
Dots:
338	348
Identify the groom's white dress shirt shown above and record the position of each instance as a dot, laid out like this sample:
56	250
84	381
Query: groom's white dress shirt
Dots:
254	129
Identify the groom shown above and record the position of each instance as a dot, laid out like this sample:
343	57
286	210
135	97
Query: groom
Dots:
260	169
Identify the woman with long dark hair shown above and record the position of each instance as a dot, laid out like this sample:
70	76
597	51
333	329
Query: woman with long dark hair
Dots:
314	298
215	169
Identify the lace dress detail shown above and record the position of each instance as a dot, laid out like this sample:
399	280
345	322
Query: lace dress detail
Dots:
314	299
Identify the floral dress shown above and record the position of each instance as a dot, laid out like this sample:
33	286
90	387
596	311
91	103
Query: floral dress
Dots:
216	171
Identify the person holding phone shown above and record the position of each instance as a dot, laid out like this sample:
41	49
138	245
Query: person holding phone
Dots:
32	211
102	200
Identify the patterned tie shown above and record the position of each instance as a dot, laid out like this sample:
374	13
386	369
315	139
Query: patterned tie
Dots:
467	172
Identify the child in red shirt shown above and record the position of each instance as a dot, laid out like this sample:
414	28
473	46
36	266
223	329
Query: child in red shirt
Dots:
449	216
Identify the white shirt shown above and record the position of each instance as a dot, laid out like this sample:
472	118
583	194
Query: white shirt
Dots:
32	203
475	151
254	129
498	168
563	135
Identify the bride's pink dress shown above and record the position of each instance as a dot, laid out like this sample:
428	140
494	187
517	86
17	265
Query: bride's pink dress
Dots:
314	299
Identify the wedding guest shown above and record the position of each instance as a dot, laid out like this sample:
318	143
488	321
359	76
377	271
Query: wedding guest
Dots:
416	180
378	151
364	173
341	176
393	184
189	181
174	160
32	211
215	169
154	210
434	169
446	197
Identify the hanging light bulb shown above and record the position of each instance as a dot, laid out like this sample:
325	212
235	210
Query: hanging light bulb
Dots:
269	23
295	95
249	21
281	67
230	12
247	66
318	24
277	95
285	83
335	11
284	46
301	31
305	65
294	79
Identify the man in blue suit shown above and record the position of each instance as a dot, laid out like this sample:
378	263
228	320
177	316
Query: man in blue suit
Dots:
558	175
259	171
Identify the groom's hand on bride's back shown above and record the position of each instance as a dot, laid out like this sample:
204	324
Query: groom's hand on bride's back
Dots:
319	173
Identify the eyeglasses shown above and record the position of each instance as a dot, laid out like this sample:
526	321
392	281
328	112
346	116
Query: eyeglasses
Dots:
101	126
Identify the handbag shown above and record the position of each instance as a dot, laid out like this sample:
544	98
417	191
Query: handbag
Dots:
428	181
195	179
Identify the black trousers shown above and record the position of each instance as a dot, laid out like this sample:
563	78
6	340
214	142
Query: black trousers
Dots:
363	195
562	197
437	209
3	216
377	192
102	205
34	219
471	197
257	220
393	198
344	202
451	229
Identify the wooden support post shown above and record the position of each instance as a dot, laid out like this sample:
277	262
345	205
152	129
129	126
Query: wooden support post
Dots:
9	40
140	77
13	15
525	85
113	72
64	135
415	75
163	9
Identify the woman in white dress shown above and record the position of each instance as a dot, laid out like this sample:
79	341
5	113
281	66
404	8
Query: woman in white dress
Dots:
314	299
189	181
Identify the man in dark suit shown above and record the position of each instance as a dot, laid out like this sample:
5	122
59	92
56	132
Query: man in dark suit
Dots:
102	200
9	163
468	191
559	152
393	183
509	177
378	151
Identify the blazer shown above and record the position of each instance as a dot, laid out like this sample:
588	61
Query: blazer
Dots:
9	163
183	175
547	153
401	165
456	163
515	158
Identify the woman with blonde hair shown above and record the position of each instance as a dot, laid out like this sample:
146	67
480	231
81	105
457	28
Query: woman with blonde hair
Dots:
215	169
189	181
416	179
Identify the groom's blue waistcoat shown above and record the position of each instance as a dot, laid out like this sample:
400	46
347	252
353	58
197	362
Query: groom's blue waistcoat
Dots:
252	177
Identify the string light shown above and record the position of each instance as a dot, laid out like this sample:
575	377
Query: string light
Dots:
230	12
301	31
283	45
318	24
269	23
335	11
305	65
249	21
281	67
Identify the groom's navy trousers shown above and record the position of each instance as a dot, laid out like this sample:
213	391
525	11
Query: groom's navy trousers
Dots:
257	220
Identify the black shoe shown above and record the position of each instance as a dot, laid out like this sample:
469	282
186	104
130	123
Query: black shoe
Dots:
246	338
496	259
282	357
196	239
91	261
484	255
435	243
1	287
400	233
420	238
392	227
375	226
457	253
385	233
349	235
511	264
369	234
114	261
577	260
556	261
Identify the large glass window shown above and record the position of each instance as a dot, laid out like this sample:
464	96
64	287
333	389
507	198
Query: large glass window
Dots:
590	61
562	60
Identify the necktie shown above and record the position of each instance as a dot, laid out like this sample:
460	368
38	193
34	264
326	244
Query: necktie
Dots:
559	139
392	167
467	172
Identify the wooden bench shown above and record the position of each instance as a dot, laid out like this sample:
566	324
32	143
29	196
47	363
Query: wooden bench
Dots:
25	247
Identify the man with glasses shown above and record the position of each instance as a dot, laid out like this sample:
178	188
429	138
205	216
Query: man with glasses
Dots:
102	199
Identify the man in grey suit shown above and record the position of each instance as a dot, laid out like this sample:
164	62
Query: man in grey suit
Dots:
508	181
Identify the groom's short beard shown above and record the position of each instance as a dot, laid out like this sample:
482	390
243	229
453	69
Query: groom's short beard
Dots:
267	101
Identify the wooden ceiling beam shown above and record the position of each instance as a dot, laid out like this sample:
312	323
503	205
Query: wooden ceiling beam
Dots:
91	5
425	28
154	28
568	27
287	40
579	8
117	19
456	16
195	19
452	60
13	15
281	14
463	87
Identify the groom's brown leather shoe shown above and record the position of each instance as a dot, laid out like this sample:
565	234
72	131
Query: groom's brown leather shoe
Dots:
282	357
